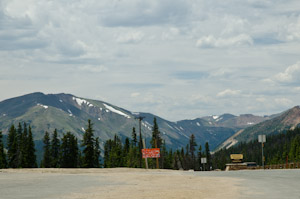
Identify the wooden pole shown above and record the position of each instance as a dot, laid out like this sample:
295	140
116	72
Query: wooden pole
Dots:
146	160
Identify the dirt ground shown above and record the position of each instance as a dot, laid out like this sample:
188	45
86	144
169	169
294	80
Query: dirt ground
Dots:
114	184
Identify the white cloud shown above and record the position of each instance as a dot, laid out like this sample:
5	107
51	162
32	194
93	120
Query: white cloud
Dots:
136	94
261	99
93	69
228	93
212	42
131	37
49	45
284	102
290	75
293	31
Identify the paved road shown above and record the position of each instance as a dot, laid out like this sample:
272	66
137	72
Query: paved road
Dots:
266	184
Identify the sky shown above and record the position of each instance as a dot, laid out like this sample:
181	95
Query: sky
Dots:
179	59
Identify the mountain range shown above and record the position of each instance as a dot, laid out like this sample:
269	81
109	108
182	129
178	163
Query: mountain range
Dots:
69	113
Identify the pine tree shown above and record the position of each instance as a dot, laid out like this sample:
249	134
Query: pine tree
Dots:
46	162
12	147
156	139
55	150
19	145
24	147
69	151
199	156
97	154
88	144
31	150
2	153
193	144
208	156
134	137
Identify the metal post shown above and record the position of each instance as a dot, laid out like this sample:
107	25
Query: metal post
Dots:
140	128
262	155
146	160
262	139
140	118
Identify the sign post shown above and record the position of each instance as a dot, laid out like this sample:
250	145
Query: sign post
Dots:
262	140
203	161
151	153
146	160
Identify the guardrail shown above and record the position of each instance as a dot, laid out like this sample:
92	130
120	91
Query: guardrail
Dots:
294	165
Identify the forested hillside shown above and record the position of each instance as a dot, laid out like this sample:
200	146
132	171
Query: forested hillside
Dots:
279	149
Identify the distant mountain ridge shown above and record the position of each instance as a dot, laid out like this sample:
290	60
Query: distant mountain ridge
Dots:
67	112
287	120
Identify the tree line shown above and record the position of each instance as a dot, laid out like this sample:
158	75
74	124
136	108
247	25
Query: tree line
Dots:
20	148
67	152
280	148
128	153
58	153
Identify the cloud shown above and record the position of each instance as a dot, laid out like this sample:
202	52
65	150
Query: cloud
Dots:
293	30
191	75
131	37
212	42
144	13
228	93
283	102
93	69
290	75
136	94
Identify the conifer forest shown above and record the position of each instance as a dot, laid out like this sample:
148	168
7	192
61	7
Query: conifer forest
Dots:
69	152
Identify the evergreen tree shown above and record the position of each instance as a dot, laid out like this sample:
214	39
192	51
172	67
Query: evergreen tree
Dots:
69	151
46	162
31	150
199	157
88	144
55	150
134	137
208	156
12	146
19	145
156	139
2	153
193	144
97	153
24	147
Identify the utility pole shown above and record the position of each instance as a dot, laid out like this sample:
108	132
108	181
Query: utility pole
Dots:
140	118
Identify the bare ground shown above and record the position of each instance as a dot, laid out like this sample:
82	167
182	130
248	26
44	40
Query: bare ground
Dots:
114	184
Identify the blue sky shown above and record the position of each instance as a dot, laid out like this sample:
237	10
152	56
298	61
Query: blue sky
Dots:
179	59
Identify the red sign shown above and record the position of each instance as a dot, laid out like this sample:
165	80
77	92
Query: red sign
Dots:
151	153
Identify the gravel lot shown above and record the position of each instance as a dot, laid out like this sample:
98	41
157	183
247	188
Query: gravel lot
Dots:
138	183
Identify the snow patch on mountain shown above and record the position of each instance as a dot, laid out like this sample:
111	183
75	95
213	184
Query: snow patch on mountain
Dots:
44	106
170	126
80	102
71	114
116	111
215	117
220	118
